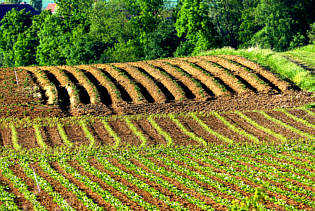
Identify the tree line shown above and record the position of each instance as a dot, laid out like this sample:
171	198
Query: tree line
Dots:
88	31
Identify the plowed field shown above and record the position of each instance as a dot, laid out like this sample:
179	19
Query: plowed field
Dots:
196	133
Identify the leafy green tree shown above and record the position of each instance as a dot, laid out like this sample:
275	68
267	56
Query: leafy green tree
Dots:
193	24
12	27
311	33
12	1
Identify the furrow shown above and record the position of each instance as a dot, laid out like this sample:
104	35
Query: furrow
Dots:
48	86
104	81
249	77
229	80
85	82
144	80
131	88
190	88
171	89
65	82
200	75
282	85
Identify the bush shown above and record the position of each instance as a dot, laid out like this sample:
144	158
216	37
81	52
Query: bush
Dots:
311	33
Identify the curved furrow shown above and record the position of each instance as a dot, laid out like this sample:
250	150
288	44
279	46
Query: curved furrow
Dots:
140	78
105	82
66	83
190	88
282	85
169	86
131	88
85	82
200	75
49	87
249	77
229	80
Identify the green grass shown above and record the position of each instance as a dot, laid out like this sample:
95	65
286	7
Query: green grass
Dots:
276	62
305	54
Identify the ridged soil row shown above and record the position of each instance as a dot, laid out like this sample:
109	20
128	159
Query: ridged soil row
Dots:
85	82
278	129
229	80
105	82
180	77
249	128
237	70
282	85
48	86
298	125
130	87
66	83
171	86
148	84
301	113
201	76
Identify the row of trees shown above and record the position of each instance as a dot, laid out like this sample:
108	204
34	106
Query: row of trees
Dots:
85	31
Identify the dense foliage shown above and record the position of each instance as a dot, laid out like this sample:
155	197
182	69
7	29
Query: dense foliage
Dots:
85	31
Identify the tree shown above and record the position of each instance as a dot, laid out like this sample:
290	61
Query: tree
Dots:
193	24
37	4
13	25
12	1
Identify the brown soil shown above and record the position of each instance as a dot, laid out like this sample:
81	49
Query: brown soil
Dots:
218	126
239	122
193	125
153	137
284	118
26	138
51	136
259	118
101	134
41	195
5	137
69	196
128	138
76	135
303	114
178	137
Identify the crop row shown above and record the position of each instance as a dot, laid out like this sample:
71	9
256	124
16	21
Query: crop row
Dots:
182	129
214	178
154	81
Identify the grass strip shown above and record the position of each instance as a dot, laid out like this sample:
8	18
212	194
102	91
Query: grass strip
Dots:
39	137
15	139
236	129
112	133
156	126
139	183
45	186
69	185
138	133
63	135
191	135
297	118
19	184
309	112
286	125
209	130
266	130
87	133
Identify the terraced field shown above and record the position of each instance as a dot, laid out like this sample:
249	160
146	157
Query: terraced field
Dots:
195	133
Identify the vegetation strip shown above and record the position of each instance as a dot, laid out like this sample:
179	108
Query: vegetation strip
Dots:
186	131
209	130
87	133
19	184
15	138
138	182
63	135
266	130
112	133
138	133
156	126
286	125
236	129
297	119
39	137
